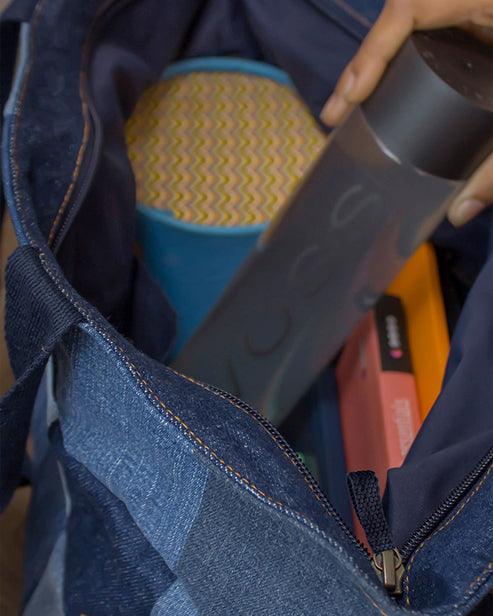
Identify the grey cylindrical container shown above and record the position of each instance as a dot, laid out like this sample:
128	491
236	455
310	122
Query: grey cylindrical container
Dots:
378	190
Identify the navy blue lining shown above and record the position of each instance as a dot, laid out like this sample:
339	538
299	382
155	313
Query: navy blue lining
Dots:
355	16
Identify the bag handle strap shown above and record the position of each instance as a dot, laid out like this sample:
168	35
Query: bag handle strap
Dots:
13	16
37	315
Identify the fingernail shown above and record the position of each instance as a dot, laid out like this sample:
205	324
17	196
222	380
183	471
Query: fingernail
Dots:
348	84
333	110
464	211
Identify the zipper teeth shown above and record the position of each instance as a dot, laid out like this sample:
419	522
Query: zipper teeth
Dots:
446	506
281	441
420	534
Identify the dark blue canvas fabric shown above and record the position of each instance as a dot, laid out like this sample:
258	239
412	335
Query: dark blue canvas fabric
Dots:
461	254
459	430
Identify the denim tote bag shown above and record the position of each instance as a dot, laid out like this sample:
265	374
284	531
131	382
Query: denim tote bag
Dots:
153	493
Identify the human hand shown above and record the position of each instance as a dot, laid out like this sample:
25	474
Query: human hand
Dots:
396	22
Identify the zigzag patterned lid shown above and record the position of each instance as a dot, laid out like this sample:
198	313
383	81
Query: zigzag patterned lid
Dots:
220	148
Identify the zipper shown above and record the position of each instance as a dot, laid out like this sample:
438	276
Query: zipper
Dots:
446	506
390	569
389	565
286	448
89	163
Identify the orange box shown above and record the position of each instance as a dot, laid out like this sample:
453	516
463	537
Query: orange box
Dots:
377	392
418	286
378	401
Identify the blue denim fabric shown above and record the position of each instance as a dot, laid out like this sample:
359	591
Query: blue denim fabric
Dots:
48	596
227	432
165	499
50	503
127	446
175	601
47	520
435	580
22	56
46	149
238	551
244	555
110	567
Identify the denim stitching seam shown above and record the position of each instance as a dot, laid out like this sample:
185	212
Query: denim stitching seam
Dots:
190	431
216	393
406	584
374	604
56	279
85	136
481	577
78	163
306	522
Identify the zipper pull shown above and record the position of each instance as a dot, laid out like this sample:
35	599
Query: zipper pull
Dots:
387	561
390	569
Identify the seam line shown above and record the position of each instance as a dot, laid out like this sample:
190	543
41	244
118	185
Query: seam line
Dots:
216	393
475	491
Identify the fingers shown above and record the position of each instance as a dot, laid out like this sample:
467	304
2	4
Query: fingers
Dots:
476	196
362	74
396	22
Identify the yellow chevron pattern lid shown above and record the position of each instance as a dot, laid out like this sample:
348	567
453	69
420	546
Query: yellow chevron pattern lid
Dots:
220	148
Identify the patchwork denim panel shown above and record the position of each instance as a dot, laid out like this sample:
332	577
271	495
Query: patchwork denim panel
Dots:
109	426
110	567
48	595
233	435
453	568
175	600
244	556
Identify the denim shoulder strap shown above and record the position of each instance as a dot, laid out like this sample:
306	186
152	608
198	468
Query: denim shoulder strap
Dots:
14	15
36	316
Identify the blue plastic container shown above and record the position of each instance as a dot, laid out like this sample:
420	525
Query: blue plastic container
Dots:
192	262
